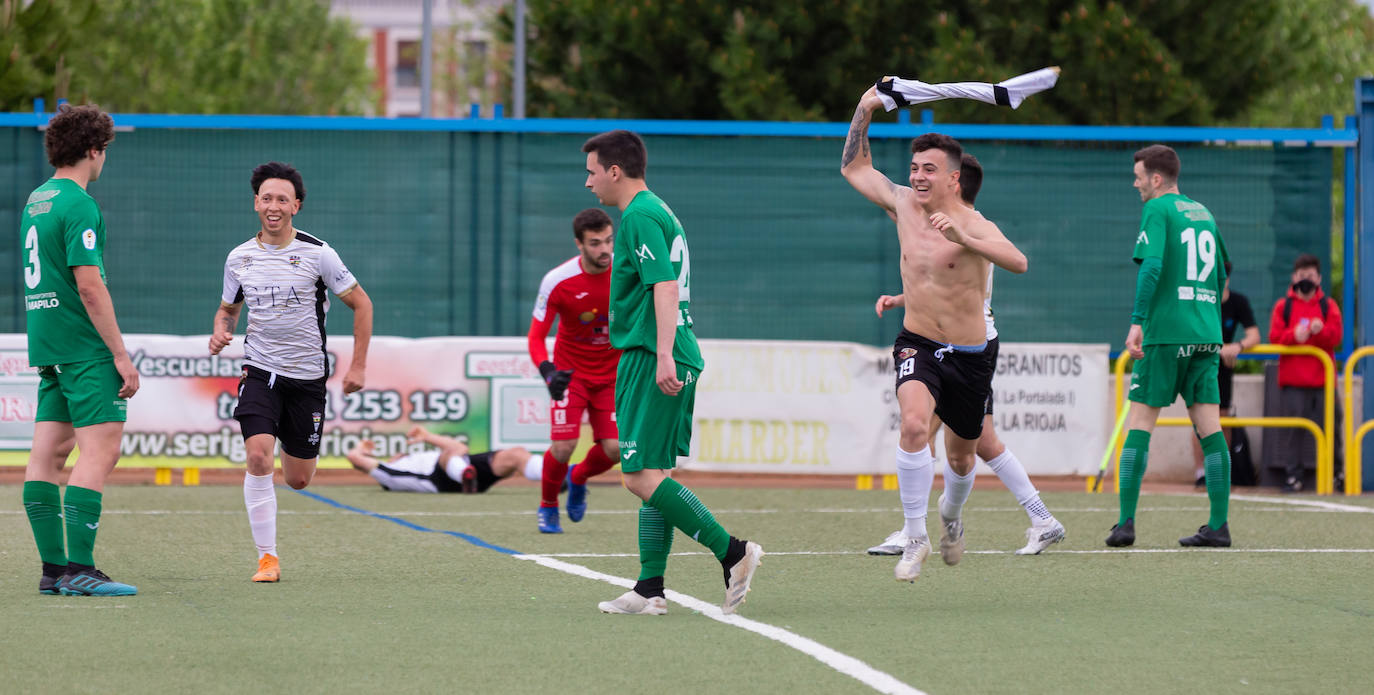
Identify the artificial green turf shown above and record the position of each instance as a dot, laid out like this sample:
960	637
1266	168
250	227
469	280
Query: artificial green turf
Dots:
367	605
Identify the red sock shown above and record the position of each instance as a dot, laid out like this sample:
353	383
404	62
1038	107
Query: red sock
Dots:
551	480
595	463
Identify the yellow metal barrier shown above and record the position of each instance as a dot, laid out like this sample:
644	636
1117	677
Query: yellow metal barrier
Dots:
1355	470
1353	458
1325	436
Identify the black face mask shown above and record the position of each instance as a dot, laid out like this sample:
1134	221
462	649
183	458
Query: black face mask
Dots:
1305	286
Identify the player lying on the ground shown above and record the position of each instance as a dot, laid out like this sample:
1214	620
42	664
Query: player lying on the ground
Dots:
448	467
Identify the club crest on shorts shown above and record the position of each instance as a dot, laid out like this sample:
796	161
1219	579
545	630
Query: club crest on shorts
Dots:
316	418
905	353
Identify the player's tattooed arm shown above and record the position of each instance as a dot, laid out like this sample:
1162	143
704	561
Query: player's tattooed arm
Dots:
856	162
857	140
226	319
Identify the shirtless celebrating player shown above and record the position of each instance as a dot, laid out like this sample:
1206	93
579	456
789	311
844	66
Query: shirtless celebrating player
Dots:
939	355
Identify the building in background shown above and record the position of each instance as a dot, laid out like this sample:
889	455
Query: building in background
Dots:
469	66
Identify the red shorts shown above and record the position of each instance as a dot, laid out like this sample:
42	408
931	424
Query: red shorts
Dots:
597	400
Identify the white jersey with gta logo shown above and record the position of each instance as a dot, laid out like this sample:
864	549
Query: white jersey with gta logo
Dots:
283	288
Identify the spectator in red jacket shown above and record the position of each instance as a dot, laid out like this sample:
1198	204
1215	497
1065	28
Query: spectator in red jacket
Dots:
1305	316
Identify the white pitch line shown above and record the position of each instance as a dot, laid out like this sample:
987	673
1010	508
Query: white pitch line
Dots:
845	664
1280	504
1008	552
1314	504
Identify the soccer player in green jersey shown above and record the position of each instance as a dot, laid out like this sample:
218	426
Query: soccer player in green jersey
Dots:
1175	338
656	380
85	375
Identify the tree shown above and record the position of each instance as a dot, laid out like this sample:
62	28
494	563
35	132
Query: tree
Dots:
1331	41
36	45
204	56
1167	62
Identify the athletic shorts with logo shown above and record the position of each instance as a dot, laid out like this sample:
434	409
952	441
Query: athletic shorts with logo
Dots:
959	378
1168	371
292	410
411	473
655	428
597	400
82	393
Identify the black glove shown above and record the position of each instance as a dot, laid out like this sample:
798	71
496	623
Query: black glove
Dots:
556	379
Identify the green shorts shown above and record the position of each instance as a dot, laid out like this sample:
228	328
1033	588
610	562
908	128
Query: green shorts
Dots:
655	428
1168	371
82	393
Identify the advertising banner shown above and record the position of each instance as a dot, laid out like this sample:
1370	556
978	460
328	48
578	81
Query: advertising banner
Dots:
801	407
762	406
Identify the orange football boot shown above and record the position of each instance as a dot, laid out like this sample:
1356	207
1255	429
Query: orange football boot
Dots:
269	569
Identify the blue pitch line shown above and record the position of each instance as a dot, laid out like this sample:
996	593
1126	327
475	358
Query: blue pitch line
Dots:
412	526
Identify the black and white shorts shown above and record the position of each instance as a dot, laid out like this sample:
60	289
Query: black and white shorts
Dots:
423	473
292	410
959	378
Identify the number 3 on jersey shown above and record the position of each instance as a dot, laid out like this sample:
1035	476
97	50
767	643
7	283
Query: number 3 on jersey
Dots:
33	272
679	254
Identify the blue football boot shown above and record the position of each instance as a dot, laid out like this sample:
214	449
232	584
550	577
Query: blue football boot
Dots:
577	499
548	520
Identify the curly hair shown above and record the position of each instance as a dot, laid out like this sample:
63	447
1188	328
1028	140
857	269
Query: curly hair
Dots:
76	130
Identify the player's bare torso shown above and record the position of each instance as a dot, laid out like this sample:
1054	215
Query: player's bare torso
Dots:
942	282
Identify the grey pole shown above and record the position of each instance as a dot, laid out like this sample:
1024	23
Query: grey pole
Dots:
518	82
427	59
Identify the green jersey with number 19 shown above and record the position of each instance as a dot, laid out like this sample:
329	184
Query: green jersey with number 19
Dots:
61	227
1186	306
650	247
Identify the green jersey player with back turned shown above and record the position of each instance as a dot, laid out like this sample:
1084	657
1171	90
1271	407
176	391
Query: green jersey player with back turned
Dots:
1175	338
85	374
656	380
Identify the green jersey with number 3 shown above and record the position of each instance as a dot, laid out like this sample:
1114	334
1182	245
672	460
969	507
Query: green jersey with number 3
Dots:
1186	306
650	247
61	227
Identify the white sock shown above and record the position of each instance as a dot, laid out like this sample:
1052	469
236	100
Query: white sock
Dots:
1013	475
915	475
534	468
957	489
260	496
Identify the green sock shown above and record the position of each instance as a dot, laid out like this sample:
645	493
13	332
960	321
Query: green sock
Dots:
43	503
82	507
655	542
684	511
1132	467
1216	463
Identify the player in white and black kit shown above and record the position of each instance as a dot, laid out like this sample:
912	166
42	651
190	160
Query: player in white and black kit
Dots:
283	275
1044	530
448	467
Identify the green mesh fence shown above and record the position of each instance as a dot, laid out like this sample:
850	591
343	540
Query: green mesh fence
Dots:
450	233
